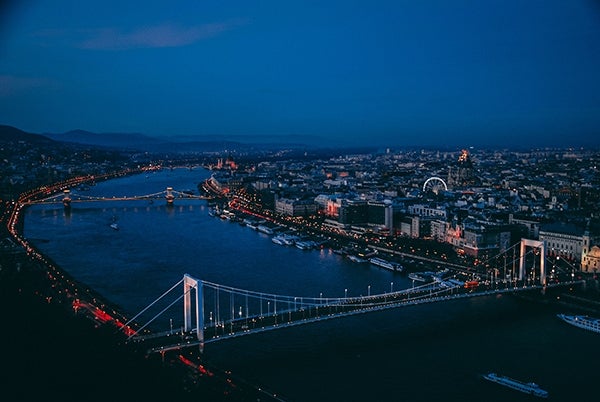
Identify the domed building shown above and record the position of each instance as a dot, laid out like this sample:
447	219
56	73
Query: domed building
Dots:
591	260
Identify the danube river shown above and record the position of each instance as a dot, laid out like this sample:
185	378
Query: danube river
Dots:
417	353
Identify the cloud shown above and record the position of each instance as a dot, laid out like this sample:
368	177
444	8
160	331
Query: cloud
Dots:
158	36
11	84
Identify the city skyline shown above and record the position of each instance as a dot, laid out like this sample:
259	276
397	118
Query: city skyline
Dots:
390	73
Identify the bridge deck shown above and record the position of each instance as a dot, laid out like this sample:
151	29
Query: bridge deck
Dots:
162	342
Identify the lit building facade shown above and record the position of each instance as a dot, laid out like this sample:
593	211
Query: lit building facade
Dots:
572	243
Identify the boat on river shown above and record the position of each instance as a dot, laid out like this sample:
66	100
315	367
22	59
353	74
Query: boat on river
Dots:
114	224
265	229
426	276
530	388
305	244
380	262
357	259
582	321
285	239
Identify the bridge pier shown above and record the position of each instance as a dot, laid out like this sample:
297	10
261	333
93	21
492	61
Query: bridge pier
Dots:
170	197
66	199
190	283
541	245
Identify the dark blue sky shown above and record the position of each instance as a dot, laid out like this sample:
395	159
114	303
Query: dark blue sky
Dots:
461	72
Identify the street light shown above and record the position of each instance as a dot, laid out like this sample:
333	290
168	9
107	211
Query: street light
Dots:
345	293
391	287
369	290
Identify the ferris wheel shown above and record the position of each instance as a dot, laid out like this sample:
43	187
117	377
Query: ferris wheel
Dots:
434	184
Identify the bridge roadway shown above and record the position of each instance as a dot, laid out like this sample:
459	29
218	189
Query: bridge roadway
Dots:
331	308
76	198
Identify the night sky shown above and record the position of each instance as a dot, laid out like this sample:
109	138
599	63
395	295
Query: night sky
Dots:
426	72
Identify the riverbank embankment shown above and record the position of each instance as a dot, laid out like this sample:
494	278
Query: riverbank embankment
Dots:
53	349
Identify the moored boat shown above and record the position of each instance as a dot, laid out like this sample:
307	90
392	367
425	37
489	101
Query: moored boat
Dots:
305	244
265	229
285	239
380	262
277	240
530	388
582	321
356	259
421	276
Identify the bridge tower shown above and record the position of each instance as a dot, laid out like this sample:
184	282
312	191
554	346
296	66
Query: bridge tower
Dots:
170	197
541	245
192	285
67	198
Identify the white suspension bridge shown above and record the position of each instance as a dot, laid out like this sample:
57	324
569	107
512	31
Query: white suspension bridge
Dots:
213	312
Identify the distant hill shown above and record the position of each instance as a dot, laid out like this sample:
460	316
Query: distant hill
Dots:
9	133
172	144
113	140
142	142
291	139
177	144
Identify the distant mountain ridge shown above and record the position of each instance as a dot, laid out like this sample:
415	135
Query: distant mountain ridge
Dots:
9	133
177	143
142	142
173	144
122	140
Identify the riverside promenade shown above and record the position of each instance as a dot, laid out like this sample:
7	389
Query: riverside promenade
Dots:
55	349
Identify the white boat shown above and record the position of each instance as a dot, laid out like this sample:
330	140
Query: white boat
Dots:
356	259
448	284
113	224
277	240
380	262
305	244
285	239
265	229
582	321
530	388
421	276
289	239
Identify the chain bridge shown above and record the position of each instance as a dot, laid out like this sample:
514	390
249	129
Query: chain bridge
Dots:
68	197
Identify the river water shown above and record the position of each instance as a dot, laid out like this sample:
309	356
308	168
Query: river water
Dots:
419	353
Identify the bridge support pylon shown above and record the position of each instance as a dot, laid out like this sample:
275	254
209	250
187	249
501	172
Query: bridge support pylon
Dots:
66	198
541	245
170	197
192	285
